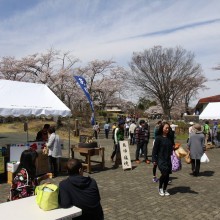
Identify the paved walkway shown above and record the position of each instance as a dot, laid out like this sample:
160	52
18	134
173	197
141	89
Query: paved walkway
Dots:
132	195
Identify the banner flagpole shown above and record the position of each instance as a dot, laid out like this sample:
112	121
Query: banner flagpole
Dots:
82	82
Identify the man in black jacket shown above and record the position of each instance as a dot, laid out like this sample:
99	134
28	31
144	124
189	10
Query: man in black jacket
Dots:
142	135
81	192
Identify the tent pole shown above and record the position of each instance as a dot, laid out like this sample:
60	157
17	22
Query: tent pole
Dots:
26	128
69	135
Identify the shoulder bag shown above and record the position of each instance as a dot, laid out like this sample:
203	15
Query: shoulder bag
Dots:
47	196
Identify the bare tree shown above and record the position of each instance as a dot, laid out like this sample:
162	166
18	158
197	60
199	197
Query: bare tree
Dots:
217	67
191	89
164	73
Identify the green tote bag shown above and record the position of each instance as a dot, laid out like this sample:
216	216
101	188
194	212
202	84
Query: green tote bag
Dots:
47	196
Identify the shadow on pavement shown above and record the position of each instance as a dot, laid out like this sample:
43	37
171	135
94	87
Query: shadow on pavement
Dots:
207	173
173	177
181	189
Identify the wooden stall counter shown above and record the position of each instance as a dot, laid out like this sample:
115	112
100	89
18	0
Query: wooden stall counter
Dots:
88	153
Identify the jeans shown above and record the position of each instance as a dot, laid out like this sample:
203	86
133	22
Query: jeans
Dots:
106	133
114	151
143	146
53	165
131	138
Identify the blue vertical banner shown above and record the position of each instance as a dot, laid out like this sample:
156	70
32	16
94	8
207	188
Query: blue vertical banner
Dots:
82	82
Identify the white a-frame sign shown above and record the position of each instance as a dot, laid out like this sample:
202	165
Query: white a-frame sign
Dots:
125	155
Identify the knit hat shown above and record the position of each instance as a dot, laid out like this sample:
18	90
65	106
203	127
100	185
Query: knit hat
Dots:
121	122
197	128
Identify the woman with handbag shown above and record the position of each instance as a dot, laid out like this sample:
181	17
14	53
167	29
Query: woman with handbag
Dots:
161	156
196	146
25	179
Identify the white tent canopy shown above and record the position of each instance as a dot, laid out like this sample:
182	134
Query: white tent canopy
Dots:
211	112
29	99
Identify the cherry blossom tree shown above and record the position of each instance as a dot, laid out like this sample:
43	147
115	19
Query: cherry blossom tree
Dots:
56	69
104	80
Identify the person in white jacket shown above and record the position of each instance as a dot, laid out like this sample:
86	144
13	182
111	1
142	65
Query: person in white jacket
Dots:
131	132
55	152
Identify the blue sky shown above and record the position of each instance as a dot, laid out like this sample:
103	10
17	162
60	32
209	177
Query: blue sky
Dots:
105	29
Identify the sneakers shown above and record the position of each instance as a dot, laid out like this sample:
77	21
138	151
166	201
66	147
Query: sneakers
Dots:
137	161
148	161
155	180
161	192
166	193
170	181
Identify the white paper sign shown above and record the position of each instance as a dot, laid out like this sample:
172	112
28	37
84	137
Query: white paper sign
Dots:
15	152
125	155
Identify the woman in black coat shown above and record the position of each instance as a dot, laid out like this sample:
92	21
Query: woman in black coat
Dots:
161	155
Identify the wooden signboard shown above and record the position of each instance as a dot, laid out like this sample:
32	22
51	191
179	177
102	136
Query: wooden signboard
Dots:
125	155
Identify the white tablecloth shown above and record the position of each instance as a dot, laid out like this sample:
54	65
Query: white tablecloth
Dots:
27	209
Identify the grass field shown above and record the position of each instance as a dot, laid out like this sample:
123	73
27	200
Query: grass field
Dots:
34	126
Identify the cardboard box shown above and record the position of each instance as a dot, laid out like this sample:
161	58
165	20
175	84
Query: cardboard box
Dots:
12	167
42	165
10	177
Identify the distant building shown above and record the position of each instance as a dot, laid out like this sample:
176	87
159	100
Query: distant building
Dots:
114	108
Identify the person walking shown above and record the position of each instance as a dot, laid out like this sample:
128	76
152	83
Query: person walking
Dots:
131	132
161	156
114	131
206	131
119	136
142	139
127	125
114	126
173	127
190	130
107	129
156	128
96	130
215	133
146	140
196	146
